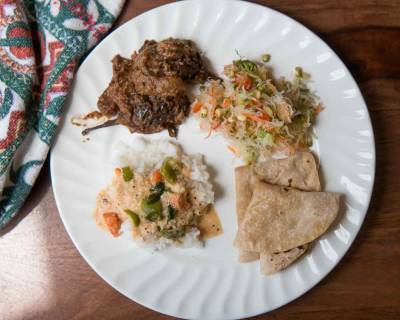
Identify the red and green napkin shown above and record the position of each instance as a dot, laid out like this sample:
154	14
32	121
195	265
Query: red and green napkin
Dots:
41	44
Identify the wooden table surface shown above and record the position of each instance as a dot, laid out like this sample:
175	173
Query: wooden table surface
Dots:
42	275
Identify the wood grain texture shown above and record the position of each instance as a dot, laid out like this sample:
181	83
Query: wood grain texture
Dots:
42	275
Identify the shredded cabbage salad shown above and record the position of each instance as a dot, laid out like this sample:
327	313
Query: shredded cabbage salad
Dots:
258	114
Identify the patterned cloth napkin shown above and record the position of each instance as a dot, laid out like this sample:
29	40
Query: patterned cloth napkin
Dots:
41	43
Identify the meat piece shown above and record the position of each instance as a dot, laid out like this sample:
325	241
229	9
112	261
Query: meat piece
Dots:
150	114
157	86
173	57
147	93
145	104
106	104
122	67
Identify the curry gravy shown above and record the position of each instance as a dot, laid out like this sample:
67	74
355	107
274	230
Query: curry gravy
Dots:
209	224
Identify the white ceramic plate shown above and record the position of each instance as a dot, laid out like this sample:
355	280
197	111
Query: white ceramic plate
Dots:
209	283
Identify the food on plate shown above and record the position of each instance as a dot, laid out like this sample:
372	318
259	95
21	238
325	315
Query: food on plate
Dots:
282	218
173	57
159	195
297	171
147	92
273	262
248	256
210	225
258	114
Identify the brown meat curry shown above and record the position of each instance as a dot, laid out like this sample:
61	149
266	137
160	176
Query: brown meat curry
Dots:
147	92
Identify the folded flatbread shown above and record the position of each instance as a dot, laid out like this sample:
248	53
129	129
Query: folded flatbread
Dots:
274	262
248	256
243	191
299	171
281	218
243	197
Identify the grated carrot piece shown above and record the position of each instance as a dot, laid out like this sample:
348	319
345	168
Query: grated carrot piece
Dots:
215	126
209	133
319	108
244	81
196	107
263	117
155	177
233	150
226	103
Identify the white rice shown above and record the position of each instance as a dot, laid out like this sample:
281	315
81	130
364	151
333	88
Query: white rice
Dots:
190	240
144	155
200	178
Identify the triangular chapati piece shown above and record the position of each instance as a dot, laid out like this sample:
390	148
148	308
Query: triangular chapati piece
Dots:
281	218
299	171
273	262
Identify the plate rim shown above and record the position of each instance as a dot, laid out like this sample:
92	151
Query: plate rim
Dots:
297	24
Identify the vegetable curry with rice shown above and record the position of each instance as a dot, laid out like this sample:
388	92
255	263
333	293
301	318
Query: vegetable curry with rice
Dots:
159	203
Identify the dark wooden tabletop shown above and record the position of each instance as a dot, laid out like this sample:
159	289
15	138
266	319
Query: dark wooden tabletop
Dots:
42	275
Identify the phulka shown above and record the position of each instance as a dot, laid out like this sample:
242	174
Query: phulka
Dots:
299	171
281	218
274	262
